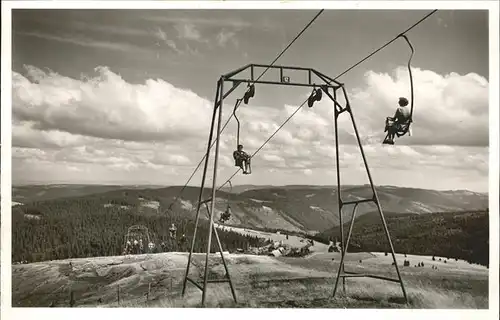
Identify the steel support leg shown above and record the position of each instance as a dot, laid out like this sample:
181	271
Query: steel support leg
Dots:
200	197
344	252
214	188
223	260
210	211
375	196
339	196
374	199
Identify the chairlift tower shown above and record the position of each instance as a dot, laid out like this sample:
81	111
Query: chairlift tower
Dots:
320	83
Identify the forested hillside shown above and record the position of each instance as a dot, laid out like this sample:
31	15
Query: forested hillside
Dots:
96	224
293	208
69	228
462	235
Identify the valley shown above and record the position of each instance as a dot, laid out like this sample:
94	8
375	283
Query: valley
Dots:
67	250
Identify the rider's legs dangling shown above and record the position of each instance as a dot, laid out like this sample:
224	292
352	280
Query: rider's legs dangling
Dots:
249	167
389	138
241	163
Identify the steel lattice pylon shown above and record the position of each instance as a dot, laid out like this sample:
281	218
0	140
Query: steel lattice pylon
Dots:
327	84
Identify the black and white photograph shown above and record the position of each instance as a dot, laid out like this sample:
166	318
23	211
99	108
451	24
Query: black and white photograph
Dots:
251	156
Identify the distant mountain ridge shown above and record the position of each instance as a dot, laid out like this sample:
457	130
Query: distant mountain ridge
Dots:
294	207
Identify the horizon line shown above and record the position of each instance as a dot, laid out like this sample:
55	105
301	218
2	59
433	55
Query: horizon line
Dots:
160	186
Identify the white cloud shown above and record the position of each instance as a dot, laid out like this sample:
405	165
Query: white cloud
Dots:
162	37
108	107
87	42
157	133
442	23
224	22
184	32
273	159
448	110
188	31
224	36
109	29
24	135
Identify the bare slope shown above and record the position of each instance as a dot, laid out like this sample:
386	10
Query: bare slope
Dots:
260	281
315	208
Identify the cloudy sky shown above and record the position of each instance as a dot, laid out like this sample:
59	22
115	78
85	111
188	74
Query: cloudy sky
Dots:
126	96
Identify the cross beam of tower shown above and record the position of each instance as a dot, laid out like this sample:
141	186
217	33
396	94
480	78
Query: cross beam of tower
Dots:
330	87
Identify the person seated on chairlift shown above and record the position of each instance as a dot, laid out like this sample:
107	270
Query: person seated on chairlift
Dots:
225	215
173	231
395	124
242	160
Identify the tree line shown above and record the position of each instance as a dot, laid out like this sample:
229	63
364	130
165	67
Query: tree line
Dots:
454	235
77	228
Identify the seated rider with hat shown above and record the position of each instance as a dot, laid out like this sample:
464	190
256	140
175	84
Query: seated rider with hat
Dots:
398	122
242	160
